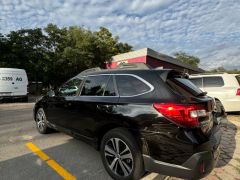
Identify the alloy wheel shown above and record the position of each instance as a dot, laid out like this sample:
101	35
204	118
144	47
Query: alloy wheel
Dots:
40	119
119	157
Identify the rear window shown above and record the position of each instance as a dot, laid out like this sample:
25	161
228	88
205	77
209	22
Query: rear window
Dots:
130	85
184	87
238	79
197	82
214	81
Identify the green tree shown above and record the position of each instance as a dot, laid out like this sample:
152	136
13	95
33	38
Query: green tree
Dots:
54	54
218	69
187	59
221	69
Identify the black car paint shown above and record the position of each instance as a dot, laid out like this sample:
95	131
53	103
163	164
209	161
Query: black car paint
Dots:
90	117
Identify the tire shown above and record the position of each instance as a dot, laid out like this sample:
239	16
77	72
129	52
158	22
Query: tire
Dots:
41	119
127	163
25	99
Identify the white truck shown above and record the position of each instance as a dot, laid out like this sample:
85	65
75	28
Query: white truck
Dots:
13	84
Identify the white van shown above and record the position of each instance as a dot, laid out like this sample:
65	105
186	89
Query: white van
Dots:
223	87
13	83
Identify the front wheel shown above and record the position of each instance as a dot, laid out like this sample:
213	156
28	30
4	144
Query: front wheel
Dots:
121	155
41	121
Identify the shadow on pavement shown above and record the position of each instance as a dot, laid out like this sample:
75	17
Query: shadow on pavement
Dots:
228	142
31	99
80	159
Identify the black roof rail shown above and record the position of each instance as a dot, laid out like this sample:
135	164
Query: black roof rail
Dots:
209	73
90	70
139	65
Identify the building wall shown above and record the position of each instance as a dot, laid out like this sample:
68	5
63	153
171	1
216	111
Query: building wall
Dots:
150	61
156	63
114	64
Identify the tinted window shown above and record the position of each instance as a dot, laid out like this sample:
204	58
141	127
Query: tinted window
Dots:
129	85
214	81
70	88
238	79
95	85
184	87
197	82
110	89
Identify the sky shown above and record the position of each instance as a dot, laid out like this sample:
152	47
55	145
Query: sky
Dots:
208	29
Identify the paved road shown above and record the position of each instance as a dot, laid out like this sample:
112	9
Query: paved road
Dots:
228	166
18	162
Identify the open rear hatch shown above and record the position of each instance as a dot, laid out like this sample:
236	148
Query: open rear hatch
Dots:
195	108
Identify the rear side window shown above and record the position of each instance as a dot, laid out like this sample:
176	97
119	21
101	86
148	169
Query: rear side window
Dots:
214	81
95	85
238	79
184	87
131	86
197	82
110	89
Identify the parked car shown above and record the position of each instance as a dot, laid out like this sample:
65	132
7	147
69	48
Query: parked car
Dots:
13	84
140	120
225	88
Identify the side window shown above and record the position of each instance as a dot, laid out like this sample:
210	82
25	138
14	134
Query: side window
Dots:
110	89
130	86
71	87
214	81
197	82
95	85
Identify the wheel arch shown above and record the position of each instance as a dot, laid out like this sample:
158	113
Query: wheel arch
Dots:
108	127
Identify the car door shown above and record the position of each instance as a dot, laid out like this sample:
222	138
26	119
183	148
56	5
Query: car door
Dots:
94	106
59	106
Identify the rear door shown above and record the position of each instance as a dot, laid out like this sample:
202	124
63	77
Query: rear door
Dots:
6	84
13	83
20	83
94	106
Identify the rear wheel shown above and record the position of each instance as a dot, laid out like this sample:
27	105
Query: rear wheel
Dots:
121	155
41	121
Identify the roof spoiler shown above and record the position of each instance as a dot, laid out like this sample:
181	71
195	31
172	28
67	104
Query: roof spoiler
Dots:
173	74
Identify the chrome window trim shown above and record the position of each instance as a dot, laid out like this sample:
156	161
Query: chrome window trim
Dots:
133	75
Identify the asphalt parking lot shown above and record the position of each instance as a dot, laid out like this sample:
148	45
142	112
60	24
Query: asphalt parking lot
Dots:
26	154
58	155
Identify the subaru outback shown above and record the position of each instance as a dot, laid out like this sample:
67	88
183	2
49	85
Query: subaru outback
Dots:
141	120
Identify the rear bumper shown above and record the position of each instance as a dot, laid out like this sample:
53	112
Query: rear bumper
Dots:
197	166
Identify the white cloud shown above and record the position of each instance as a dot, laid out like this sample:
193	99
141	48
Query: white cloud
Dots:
208	29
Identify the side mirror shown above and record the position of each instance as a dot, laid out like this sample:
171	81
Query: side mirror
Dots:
51	93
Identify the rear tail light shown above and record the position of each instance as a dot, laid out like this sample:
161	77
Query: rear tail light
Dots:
181	114
238	92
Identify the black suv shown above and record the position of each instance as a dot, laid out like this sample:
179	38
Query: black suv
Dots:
141	121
